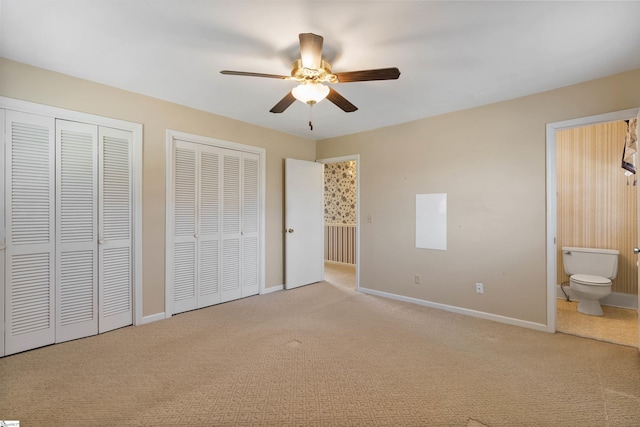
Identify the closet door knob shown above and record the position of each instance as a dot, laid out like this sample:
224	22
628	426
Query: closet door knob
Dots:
636	250
101	241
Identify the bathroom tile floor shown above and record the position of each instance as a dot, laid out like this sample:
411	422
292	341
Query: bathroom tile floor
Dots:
618	325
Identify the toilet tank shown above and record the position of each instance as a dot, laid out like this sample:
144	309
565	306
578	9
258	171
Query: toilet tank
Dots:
596	262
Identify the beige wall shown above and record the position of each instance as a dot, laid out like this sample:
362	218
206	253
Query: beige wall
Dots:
45	87
489	160
491	163
597	204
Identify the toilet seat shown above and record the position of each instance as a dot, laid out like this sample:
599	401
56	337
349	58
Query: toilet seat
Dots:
589	280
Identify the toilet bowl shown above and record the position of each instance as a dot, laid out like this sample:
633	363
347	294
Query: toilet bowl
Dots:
589	290
590	273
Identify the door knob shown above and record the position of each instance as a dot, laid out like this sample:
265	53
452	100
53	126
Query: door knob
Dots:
290	230
636	250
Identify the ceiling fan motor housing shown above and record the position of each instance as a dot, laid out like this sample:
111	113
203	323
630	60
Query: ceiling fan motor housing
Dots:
311	75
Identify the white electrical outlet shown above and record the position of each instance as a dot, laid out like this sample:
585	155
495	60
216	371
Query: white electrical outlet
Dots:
369	219
479	288
416	279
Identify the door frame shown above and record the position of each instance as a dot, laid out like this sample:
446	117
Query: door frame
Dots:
136	131
198	139
356	158
552	204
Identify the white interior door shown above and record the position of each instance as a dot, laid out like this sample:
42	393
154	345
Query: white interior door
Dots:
231	225
30	239
304	238
115	232
208	226
77	228
637	157
250	233
2	232
184	226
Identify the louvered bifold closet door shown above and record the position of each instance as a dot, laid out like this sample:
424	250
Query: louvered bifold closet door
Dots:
185	172
231	225
208	234
77	227
250	224
115	232
30	237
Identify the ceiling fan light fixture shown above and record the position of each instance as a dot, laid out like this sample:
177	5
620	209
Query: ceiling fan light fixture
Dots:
310	93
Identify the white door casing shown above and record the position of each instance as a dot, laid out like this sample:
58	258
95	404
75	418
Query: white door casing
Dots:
304	222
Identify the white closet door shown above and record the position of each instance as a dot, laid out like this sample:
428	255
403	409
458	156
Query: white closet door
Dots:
208	195
185	172
76	220
231	226
115	229
2	231
30	240
250	231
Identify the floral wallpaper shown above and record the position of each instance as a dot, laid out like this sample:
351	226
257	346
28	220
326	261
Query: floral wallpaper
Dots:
340	193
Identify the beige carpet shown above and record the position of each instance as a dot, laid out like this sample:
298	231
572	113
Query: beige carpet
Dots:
323	355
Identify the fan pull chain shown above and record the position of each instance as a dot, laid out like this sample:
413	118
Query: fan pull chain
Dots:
310	116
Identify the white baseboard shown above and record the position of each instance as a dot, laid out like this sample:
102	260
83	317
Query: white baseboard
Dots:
468	312
615	299
153	318
272	289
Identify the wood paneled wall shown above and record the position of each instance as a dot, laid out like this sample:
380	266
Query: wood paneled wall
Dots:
596	207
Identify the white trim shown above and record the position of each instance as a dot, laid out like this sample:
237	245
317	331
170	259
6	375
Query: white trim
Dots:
552	189
152	318
199	139
355	157
137	135
465	311
614	299
272	289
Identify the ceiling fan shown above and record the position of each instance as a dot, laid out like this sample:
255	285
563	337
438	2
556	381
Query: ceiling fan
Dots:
312	72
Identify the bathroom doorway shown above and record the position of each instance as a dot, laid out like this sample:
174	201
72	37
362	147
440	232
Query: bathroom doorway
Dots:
586	188
341	213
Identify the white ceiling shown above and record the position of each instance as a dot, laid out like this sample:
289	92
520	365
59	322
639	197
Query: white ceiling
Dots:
452	55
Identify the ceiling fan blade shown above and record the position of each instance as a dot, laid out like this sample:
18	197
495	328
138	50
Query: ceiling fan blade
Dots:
341	101
283	104
311	50
244	73
367	75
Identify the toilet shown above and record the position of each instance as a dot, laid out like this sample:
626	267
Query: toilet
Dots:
591	271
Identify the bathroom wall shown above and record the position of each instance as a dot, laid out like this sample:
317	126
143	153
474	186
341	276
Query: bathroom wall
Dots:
596	207
340	193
